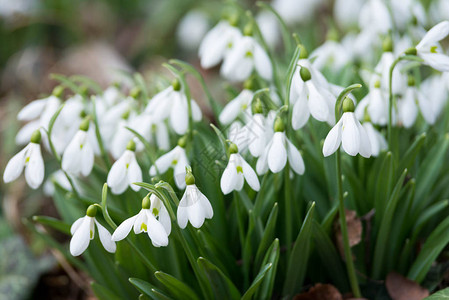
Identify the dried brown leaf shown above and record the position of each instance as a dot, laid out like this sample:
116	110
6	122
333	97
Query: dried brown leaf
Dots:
401	288
354	225
320	292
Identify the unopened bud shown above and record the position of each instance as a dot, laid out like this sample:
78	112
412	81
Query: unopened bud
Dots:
85	124
58	90
303	52
91	211
36	137
182	142
411	51
248	30
146	202
135	92
348	105
131	146
257	107
233	148
190	179
411	81
176	85
305	74
279	125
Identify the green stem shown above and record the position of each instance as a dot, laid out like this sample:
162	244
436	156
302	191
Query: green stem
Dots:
288	209
344	232
238	213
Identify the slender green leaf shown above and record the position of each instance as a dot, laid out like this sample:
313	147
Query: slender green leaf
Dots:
256	283
103	293
53	223
268	234
176	288
271	257
148	289
440	295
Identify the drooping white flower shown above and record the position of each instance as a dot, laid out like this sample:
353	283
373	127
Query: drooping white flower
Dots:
191	29
236	172
217	43
269	28
407	108
83	231
278	151
29	158
259	132
78	157
171	103
194	207
375	103
294	11
349	132
430	50
376	139
153	219
432	98
125	171
345	17
176	159
374	16
236	106
59	178
331	54
246	55
309	97
383	70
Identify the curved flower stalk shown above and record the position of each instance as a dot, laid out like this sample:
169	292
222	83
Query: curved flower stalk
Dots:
194	207
245	57
218	42
176	159
125	171
29	158
83	231
278	151
153	219
236	172
430	50
310	97
172	104
349	133
78	157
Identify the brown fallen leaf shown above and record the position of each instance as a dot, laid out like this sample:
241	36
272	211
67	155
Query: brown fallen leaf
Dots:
401	288
320	292
354	230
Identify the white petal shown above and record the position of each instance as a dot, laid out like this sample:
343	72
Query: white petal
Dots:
32	110
350	134
164	162
250	176
235	106
81	238
435	34
437	61
262	63
87	156
318	106
15	166
163	140
365	145
300	114
117	174
165	220
333	139
229	178
134	173
196	111
181	214
196	214
295	159
156	231
24	135
207	207
71	159
262	163
277	155
105	238
76	225
141	219
123	230
34	169
179	114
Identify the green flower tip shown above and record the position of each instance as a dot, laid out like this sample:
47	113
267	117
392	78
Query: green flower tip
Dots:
387	44
411	51
58	90
85	124
146	202
176	85
411	81
279	125
182	142
305	74
91	211
348	105
303	52
233	148
36	137
248	30
131	146
258	107
190	179
377	84
135	92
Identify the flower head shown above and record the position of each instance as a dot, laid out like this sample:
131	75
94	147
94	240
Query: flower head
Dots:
430	50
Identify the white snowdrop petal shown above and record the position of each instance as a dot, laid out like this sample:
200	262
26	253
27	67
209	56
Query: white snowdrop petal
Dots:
206	206
87	162
165	220
437	61
140	220
32	110
15	166
123	229
72	157
435	34
163	163
262	63
250	176
196	111
163	140
262	162
134	174
179	115
300	114
317	104
117	173
229	178
76	225
365	145
34	170
105	238
181	214
24	135
295	159
277	155
196	214
156	231
350	134
333	139
81	238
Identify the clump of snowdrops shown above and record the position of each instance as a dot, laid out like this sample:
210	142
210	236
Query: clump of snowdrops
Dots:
251	201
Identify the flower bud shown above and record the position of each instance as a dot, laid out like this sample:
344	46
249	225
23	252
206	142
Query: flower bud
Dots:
303	52
146	202
58	90
233	148
36	137
190	179
176	85
411	81
131	146
387	44
257	107
182	142
305	74
279	125
91	211
410	51
348	105
85	124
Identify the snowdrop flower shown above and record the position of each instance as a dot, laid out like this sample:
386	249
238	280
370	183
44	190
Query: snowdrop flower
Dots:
59	178
153	219
278	151
236	172
83	231
407	108
430	50
78	157
294	11
246	55
432	98
236	106
29	158
218	42
376	139
269	28
259	131
194	207
345	17
383	70
125	171
176	159
374	16
331	54
191	29
375	103
172	103
349	132
310	98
